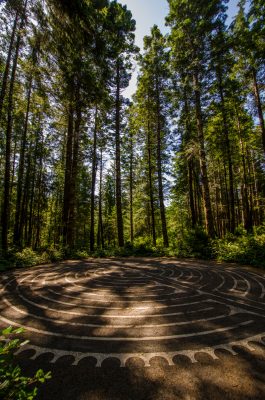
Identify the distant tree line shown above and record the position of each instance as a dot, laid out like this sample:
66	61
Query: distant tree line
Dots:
82	167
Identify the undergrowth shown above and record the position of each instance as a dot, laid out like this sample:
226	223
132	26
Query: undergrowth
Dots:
240	248
14	385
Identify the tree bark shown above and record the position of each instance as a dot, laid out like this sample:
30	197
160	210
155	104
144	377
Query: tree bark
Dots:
6	196
203	164
189	163
228	154
159	168
248	220
68	173
118	160
7	66
100	235
73	180
93	184
191	194
131	189
21	168
150	179
259	106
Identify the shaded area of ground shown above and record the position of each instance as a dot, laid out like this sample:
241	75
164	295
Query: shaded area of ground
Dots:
71	302
238	377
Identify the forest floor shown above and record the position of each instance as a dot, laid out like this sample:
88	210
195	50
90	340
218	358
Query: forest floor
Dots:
140	328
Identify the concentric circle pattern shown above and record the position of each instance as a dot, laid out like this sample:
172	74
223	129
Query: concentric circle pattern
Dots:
134	309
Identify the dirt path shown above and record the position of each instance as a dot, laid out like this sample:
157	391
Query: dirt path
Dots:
141	329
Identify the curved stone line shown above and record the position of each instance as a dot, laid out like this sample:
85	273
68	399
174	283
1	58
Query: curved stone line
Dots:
114	301
120	301
145	357
115	308
254	278
116	326
94	315
126	339
247	291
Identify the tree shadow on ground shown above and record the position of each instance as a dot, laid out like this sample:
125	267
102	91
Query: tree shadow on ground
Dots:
228	377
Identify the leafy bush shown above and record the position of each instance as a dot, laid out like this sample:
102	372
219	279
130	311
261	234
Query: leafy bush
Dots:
193	243
53	255
13	384
80	254
248	249
26	258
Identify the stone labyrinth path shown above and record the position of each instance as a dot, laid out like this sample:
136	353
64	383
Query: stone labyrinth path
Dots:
126	309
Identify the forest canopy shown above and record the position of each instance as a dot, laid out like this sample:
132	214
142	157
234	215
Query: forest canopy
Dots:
177	170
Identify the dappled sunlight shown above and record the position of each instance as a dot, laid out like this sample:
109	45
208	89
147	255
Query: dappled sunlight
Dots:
147	314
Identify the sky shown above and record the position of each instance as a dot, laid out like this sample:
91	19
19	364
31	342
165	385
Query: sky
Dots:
148	13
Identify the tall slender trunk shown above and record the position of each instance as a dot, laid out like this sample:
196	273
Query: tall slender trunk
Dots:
218	206
159	167
250	187
131	188
150	179
203	162
13	166
191	194
68	173
100	235
226	198
189	162
257	205
39	137
93	184
72	204
25	202
118	160
21	168
248	222
198	193
6	197
39	200
228	154
7	66
259	106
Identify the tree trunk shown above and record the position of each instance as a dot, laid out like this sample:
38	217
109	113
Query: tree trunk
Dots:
21	168
68	173
40	196
93	184
150	179
100	236
131	188
228	154
7	66
191	195
248	222
189	162
33	179
259	106
159	168
6	196
203	163
72	204
118	161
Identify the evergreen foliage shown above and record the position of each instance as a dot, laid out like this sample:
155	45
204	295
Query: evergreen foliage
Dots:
179	170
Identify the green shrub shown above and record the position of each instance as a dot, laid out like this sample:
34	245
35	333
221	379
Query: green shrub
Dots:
80	254
54	254
193	243
26	258
249	249
13	384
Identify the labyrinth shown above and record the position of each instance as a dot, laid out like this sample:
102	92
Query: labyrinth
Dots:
134	309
